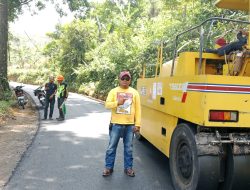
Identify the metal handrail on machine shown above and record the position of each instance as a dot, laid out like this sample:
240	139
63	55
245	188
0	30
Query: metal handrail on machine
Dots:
201	38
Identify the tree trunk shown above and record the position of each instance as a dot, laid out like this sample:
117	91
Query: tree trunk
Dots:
4	86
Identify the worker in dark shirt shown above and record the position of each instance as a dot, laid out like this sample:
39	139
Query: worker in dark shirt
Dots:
233	46
50	89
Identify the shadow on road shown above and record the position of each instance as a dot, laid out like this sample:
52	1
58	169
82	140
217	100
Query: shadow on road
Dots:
64	160
70	155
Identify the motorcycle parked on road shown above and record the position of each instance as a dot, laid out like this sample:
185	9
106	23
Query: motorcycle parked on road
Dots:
20	96
40	93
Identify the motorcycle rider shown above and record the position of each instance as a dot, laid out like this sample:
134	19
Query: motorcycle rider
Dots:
50	89
62	95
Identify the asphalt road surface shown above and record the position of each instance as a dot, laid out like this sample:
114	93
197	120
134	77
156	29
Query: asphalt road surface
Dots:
69	155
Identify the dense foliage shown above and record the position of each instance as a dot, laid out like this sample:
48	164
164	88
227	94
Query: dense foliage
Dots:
108	37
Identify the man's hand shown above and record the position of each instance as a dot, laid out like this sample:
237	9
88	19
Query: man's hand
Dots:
121	100
136	129
244	32
51	96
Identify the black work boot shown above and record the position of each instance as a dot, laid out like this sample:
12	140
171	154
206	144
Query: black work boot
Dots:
60	119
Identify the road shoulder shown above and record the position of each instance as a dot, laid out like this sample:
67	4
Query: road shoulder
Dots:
16	136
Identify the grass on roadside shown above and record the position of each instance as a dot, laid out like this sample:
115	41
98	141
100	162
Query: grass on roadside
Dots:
5	107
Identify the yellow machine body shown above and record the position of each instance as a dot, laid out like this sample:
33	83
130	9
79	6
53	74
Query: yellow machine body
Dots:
196	110
189	96
242	5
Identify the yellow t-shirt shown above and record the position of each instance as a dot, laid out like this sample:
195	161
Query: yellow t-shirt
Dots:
130	111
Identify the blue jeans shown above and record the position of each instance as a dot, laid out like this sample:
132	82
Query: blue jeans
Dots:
117	131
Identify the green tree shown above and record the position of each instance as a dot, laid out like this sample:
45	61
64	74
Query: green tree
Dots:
4	86
115	35
69	45
9	11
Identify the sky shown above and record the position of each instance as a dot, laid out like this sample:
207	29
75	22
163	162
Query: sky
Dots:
38	25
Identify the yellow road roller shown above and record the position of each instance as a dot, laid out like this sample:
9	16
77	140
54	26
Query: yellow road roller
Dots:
196	110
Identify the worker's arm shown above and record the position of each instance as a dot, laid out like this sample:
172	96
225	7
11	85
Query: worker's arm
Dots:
52	95
239	35
243	32
242	40
111	101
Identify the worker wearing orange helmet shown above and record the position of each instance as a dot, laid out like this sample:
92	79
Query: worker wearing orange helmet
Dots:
62	95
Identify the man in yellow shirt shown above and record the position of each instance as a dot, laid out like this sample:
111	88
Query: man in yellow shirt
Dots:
124	102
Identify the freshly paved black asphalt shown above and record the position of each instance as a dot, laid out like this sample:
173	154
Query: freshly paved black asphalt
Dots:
69	155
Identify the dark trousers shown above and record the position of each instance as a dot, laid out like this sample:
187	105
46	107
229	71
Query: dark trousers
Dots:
234	46
60	102
225	50
49	103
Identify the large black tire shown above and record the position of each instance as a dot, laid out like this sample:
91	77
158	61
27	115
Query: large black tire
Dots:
188	170
183	158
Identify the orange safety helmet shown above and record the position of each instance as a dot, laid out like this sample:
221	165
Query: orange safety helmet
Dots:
60	78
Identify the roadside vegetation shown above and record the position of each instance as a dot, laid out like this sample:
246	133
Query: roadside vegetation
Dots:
111	36
5	107
6	98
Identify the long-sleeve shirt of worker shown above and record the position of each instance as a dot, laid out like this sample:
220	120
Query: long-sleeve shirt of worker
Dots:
130	111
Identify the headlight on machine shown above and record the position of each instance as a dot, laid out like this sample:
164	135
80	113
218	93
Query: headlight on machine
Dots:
223	116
